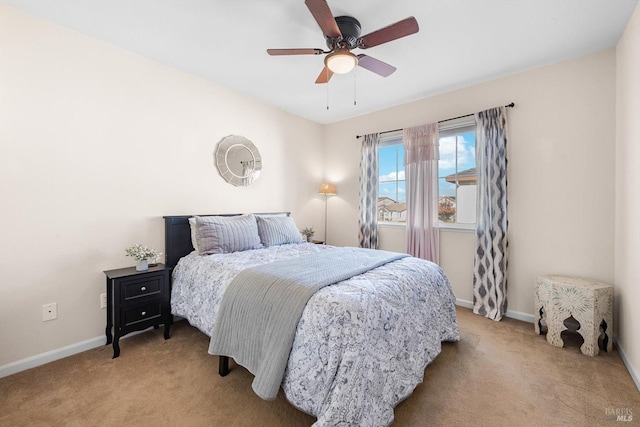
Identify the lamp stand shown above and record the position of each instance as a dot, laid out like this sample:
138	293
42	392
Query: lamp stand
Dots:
325	219
327	189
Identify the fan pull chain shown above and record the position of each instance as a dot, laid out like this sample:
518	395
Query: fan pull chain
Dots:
355	73
327	70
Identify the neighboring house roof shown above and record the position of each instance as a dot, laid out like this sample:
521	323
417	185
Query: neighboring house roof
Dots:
468	176
385	201
397	207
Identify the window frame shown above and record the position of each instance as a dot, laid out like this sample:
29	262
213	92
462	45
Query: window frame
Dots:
448	128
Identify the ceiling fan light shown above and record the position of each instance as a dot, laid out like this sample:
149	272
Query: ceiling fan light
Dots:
341	61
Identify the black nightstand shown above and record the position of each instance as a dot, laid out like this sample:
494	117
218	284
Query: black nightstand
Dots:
137	300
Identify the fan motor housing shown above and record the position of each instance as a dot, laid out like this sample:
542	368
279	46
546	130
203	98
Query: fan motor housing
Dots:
350	29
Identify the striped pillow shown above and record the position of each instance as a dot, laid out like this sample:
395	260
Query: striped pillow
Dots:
278	230
221	235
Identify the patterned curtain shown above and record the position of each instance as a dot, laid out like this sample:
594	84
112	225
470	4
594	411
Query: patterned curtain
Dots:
490	262
368	220
421	169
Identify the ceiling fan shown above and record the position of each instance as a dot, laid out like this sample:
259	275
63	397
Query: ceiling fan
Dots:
342	34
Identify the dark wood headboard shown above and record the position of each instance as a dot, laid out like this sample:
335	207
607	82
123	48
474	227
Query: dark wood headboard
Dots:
177	235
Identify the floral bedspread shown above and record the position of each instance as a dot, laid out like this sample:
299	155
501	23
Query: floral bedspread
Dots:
361	345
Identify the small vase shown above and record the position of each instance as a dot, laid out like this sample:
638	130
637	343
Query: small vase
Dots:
142	265
309	238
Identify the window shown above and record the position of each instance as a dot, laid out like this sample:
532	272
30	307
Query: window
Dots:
456	177
392	202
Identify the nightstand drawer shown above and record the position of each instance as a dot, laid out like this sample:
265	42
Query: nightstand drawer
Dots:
142	313
133	289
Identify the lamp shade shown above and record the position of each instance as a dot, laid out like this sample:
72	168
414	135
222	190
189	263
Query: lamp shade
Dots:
341	61
327	189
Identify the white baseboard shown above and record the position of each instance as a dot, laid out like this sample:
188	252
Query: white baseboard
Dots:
50	356
60	353
464	303
634	375
525	317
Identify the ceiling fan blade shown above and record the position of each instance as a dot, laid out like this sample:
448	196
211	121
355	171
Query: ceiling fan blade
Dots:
294	51
381	68
323	16
392	32
325	76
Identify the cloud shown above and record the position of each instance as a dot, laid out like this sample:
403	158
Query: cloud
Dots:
392	176
466	153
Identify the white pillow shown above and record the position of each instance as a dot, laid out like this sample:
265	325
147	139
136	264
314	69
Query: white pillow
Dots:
194	234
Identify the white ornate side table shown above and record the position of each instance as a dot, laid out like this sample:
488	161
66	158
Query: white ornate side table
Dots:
590	303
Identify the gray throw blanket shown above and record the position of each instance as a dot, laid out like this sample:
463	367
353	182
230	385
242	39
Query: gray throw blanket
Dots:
260	310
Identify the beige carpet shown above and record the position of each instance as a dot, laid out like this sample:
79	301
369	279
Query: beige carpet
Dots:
499	374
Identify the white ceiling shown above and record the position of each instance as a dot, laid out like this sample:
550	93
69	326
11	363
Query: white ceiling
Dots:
461	42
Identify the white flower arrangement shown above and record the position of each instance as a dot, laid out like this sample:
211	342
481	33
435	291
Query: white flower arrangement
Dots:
140	252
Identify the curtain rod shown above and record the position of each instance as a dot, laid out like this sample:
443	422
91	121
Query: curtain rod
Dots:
441	121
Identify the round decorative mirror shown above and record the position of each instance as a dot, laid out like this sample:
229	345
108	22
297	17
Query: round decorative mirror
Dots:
238	160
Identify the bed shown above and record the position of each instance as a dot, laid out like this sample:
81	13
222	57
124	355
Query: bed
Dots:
360	346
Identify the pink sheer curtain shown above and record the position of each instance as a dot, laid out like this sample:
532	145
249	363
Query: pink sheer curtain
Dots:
421	175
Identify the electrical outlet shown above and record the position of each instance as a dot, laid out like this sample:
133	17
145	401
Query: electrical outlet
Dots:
49	311
103	300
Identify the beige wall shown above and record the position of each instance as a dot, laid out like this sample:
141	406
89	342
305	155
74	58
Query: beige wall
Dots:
627	243
561	173
96	144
